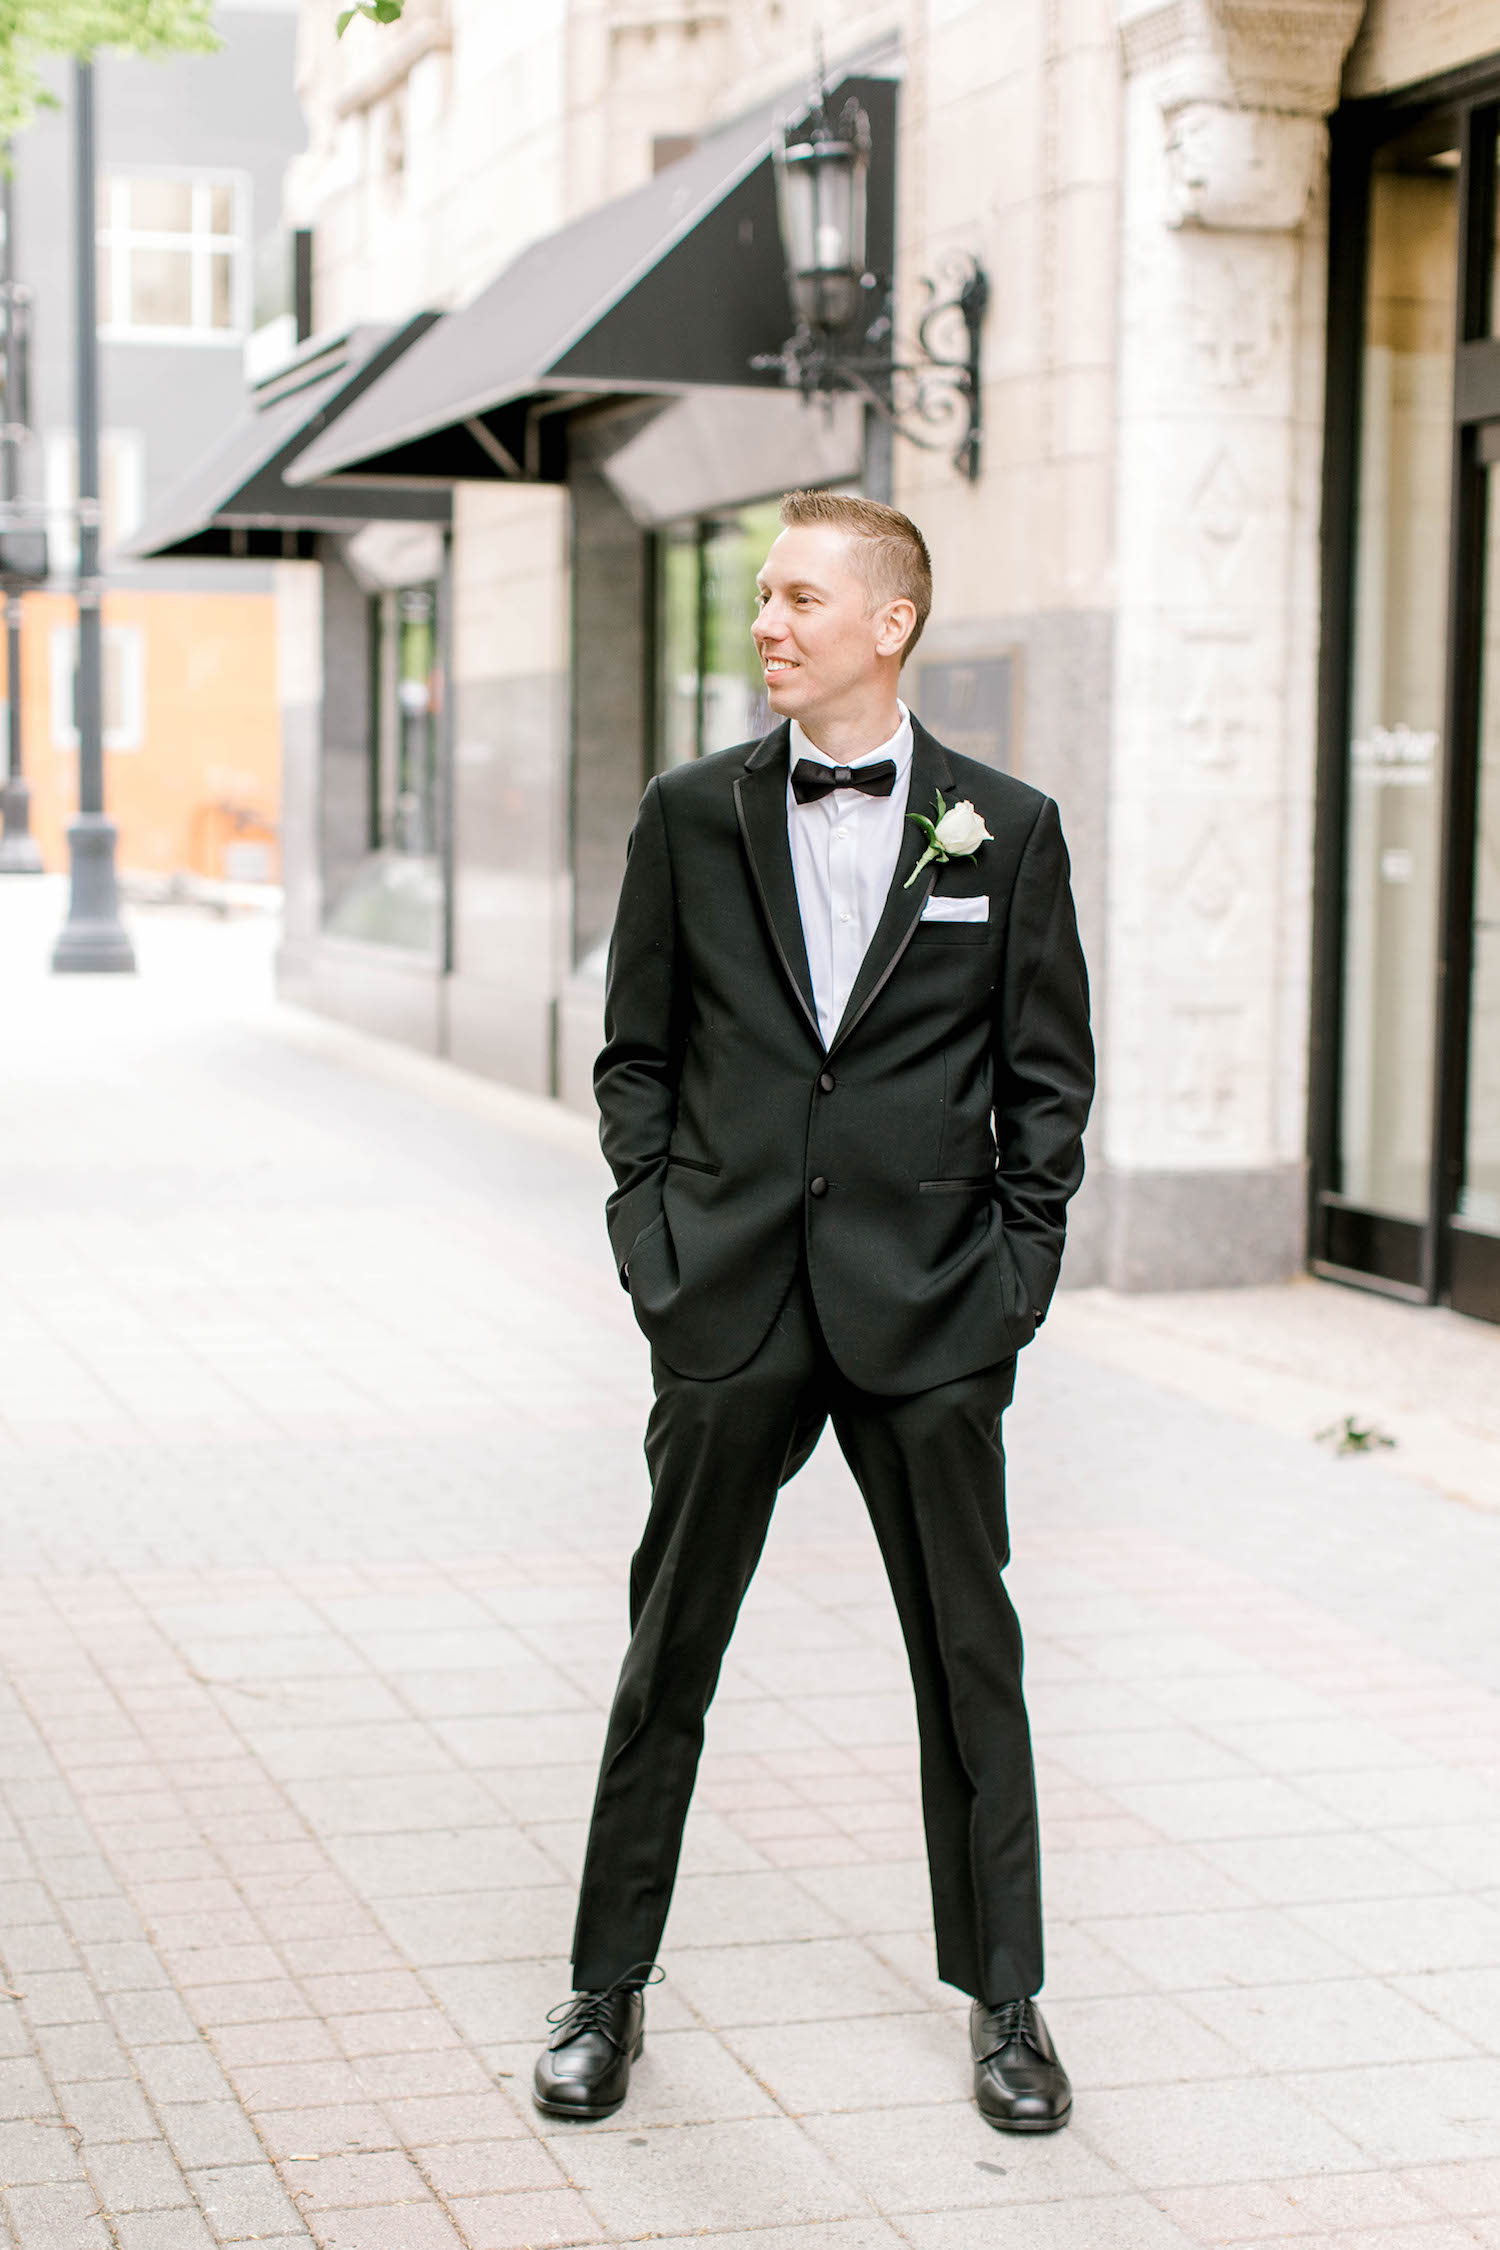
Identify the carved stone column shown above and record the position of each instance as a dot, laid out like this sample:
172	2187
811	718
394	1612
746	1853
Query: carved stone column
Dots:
1220	415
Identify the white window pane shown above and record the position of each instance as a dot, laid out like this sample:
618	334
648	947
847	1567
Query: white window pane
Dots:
105	284
115	713
221	209
122	464
124	672
62	655
60	472
161	206
161	289
124	687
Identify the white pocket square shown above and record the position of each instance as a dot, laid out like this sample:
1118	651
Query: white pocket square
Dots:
956	910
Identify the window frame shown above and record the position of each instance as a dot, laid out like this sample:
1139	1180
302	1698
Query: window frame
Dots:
1440	1258
202	244
62	672
694	533
122	476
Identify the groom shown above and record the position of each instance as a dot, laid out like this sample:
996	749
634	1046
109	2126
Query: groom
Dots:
846	1074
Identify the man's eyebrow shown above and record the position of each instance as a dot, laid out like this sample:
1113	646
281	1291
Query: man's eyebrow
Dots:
793	585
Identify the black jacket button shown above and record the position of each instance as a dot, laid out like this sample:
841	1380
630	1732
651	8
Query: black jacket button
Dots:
819	1186
827	1082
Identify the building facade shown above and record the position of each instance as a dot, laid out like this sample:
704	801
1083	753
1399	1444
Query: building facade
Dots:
192	260
1219	586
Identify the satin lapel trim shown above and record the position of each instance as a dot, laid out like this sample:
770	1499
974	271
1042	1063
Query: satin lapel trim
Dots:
903	908
760	806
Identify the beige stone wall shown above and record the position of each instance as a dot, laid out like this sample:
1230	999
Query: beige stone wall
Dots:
639	69
1401	41
435	151
442	146
1010	150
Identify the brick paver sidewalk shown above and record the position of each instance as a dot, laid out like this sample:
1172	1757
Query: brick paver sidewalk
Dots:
319	1438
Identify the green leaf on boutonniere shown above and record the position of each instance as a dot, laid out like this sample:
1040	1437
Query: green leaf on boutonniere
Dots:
934	848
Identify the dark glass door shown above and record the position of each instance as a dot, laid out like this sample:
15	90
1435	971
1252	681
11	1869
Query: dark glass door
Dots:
1471	1261
1406	1126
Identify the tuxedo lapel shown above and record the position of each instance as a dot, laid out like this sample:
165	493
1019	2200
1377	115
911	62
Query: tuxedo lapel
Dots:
760	804
930	772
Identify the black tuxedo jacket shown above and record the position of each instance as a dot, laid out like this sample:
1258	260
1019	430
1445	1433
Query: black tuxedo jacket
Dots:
925	1160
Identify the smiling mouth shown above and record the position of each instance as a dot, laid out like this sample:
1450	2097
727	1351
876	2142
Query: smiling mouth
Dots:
774	664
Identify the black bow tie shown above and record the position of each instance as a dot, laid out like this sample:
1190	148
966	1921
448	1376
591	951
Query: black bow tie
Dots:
812	780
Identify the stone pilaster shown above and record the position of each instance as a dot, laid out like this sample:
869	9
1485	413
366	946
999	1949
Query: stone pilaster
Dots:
1220	405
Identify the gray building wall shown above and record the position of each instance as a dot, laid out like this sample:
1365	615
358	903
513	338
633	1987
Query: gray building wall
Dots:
235	110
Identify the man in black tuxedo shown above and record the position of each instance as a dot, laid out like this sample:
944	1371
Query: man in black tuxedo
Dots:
846	1075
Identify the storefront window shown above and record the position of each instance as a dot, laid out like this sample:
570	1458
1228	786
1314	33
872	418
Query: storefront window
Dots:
1396	749
709	689
396	897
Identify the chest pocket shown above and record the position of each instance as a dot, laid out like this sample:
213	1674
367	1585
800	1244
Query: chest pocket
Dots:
951	933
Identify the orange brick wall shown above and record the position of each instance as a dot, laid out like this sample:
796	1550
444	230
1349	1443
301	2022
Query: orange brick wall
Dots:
208	769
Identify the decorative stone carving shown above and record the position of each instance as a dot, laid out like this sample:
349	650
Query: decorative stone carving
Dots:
1243	86
1220	515
1204	1079
1215	720
1234	322
1276	55
1243	168
1211	889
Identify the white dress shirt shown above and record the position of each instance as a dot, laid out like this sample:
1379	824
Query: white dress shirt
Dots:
844	852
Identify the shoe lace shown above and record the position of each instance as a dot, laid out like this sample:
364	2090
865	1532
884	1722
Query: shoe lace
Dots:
590	2011
1013	2019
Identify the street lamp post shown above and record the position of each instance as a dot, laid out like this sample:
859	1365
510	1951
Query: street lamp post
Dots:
93	936
19	851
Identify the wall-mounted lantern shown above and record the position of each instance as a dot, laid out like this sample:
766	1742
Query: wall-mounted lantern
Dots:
844	340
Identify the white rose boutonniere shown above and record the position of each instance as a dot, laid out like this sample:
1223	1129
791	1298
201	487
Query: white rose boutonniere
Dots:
957	833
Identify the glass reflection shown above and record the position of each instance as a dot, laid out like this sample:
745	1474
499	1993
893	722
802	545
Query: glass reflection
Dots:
396	896
710	690
1397	683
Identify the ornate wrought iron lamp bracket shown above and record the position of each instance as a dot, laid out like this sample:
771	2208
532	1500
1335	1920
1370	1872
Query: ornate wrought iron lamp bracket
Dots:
931	398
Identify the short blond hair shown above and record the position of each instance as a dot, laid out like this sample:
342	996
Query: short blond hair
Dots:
889	552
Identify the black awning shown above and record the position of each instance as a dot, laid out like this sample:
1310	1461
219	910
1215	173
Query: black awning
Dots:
676	285
236	501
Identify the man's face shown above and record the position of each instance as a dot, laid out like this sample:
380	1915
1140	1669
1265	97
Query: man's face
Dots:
817	638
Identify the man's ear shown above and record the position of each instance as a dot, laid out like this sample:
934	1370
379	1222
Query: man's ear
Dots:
897	623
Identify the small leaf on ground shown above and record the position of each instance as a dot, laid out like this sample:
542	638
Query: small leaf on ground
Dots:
1353	1436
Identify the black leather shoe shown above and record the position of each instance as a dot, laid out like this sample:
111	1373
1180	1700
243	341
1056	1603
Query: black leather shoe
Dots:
1019	2084
584	2069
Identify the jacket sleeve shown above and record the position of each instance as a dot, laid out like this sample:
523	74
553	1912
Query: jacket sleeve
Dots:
1043	1060
635	1077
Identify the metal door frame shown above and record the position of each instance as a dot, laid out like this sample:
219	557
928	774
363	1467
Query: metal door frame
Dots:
1439	1259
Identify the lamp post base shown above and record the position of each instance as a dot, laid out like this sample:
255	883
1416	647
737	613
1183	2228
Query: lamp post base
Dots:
93	938
20	853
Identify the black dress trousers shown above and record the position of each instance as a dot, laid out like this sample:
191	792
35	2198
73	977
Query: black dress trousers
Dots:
932	1472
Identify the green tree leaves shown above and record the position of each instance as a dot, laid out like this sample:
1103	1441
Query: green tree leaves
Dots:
378	11
30	29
